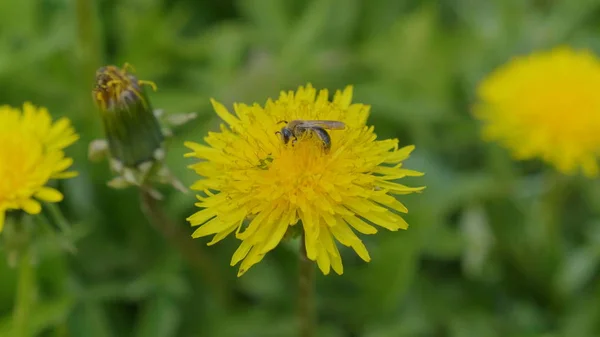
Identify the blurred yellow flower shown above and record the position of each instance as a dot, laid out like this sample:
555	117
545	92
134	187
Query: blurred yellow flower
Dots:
546	105
31	153
259	187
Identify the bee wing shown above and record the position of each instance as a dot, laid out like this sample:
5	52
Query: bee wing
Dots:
325	124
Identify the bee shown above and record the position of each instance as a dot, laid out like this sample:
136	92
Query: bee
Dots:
297	128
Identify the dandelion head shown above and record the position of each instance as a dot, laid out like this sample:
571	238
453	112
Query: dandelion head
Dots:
31	153
545	105
267	172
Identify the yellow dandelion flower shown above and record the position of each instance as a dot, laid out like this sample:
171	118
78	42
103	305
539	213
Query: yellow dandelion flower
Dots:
546	105
259	186
31	153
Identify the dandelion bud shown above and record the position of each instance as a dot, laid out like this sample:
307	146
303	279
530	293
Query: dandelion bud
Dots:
133	133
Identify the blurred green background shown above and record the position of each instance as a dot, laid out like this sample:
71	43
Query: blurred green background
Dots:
495	248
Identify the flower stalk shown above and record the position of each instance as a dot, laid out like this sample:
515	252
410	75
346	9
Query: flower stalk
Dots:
25	281
306	293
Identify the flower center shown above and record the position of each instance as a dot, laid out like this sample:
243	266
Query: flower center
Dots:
299	169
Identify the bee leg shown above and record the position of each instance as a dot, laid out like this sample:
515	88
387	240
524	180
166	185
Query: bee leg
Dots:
324	136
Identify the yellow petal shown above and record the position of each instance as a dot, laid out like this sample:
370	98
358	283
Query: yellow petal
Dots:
336	262
65	175
221	235
202	216
213	226
49	194
224	113
253	258
63	142
400	155
343	233
344	98
330	220
332	250
275	237
64	164
311	232
31	206
201	151
391	202
241	252
386	220
253	226
359	224
396	188
323	260
361	250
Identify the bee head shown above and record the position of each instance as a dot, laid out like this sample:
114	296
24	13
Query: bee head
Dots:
286	134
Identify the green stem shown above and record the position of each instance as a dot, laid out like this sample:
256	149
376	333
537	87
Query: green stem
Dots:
306	293
58	217
552	247
89	47
86	31
24	295
553	206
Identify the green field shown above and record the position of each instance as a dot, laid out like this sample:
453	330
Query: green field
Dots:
495	247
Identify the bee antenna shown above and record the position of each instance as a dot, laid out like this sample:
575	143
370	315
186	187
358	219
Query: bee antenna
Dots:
282	122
